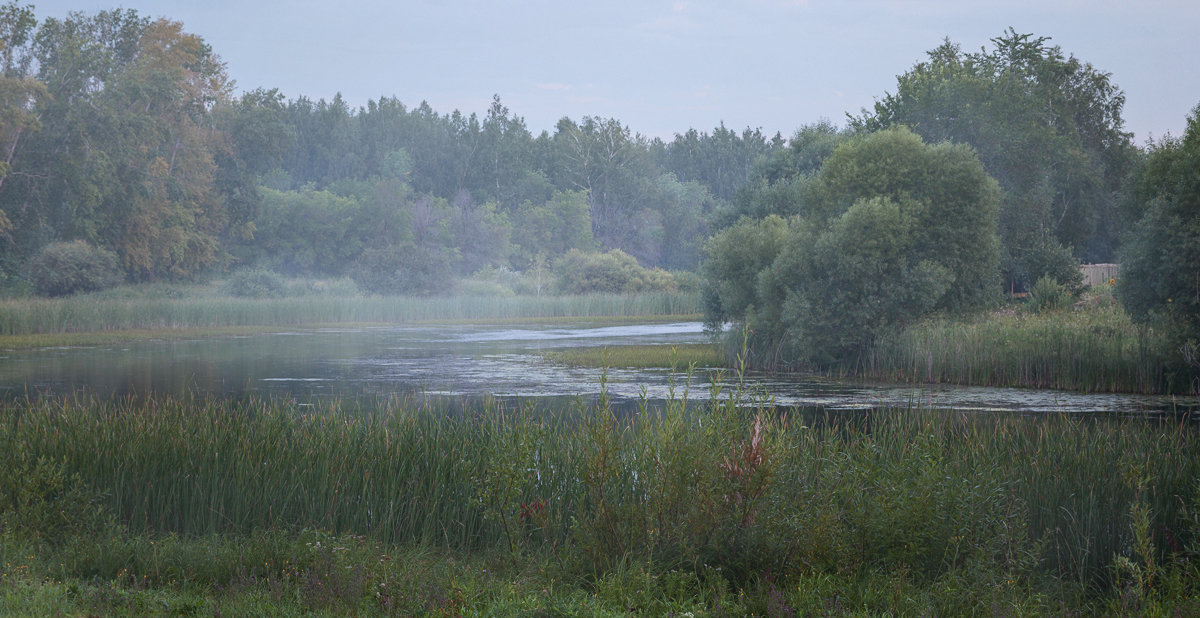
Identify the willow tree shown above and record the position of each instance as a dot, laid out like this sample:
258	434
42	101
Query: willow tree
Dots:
890	230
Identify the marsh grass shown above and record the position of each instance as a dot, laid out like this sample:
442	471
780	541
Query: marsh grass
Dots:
733	485
98	313
642	356
1092	350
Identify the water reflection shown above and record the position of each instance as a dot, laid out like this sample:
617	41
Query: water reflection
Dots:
473	361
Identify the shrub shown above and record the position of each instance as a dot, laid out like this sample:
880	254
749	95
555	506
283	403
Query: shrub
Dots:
40	500
1049	295
1044	257
255	283
688	281
64	268
423	271
615	272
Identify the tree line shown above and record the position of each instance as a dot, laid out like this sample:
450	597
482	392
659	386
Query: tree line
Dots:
122	132
982	171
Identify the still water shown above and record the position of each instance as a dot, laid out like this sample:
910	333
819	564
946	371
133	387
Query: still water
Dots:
471	361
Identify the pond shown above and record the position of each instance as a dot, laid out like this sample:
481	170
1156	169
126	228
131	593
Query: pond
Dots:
473	361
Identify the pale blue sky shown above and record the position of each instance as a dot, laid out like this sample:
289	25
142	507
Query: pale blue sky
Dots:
662	66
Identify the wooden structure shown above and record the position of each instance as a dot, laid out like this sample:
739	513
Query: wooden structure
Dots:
1100	274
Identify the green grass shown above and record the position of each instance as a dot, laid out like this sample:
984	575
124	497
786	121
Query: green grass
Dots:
314	573
642	356
726	505
1092	350
100	313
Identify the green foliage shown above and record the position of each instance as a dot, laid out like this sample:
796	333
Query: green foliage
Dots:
890	229
40	500
40	322
721	161
1160	280
1046	125
951	201
480	235
318	232
1045	256
709	492
1049	295
736	256
856	281
255	283
65	268
779	180
551	228
1160	284
405	269
614	272
1095	349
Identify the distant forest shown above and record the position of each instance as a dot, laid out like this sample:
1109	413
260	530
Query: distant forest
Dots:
123	132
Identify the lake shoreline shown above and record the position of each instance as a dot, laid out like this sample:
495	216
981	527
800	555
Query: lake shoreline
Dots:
118	336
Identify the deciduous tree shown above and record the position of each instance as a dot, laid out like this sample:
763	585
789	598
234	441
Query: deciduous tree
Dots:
1046	125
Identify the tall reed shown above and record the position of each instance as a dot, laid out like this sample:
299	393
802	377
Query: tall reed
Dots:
733	484
1099	350
100	313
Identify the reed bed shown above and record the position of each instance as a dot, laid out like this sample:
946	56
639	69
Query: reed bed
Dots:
1097	350
103	313
733	485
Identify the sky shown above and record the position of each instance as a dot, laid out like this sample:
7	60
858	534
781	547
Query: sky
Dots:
664	66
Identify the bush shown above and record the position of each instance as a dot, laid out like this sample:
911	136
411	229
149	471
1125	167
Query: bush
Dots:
1045	257
64	268
255	283
615	272
1049	295
688	281
423	271
40	500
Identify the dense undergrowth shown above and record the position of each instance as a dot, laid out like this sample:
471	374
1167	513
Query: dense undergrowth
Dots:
729	508
1097	349
1089	346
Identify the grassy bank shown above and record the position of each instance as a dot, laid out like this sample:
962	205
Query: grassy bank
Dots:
1095	349
99	313
720	509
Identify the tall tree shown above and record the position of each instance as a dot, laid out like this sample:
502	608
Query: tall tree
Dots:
776	184
125	157
890	229
506	155
605	159
721	160
1047	126
1160	262
20	97
256	139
